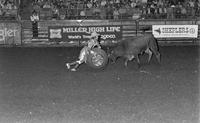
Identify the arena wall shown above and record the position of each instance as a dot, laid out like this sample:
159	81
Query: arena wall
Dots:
129	28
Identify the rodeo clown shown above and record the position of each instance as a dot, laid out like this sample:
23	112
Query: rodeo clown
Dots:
92	42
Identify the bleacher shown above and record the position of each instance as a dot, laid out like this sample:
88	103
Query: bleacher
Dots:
78	9
9	10
9	14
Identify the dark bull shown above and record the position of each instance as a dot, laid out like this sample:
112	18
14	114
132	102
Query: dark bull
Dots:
131	48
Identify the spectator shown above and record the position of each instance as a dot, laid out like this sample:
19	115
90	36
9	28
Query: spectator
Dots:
116	14
40	3
96	12
109	12
8	5
165	10
136	14
103	3
122	12
89	14
152	8
83	14
68	14
89	5
1	11
2	4
34	19
117	2
197	8
62	12
148	12
36	7
144	11
133	4
191	3
47	5
188	9
160	3
14	6
56	13
170	12
80	5
178	10
94	3
162	11
183	12
103	13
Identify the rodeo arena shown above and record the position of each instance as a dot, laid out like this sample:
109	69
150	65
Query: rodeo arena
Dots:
99	61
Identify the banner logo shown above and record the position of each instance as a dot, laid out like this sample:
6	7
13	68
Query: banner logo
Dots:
55	33
165	31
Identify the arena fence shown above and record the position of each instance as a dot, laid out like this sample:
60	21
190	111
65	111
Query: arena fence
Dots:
71	32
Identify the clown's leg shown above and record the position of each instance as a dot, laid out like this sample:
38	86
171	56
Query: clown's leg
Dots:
82	58
77	63
69	64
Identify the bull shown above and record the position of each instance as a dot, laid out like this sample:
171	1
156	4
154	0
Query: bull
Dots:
133	47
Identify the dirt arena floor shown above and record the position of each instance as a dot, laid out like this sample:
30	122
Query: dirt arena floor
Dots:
36	87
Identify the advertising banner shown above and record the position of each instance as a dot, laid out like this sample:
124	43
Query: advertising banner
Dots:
175	31
80	33
10	33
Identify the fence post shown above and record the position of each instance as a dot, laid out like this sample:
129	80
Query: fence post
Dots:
20	22
136	23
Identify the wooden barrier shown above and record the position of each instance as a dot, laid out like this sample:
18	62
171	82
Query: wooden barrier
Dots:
130	28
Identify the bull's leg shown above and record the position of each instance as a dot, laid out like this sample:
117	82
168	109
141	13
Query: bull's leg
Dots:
128	58
126	62
158	57
149	52
157	54
113	59
138	61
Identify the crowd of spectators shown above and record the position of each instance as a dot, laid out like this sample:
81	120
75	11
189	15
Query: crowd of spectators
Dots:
116	9
8	8
172	9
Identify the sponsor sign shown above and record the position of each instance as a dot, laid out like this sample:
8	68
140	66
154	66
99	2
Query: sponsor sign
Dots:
10	33
80	33
173	31
7	33
55	33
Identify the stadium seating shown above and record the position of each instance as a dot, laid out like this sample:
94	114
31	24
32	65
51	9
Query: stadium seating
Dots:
127	9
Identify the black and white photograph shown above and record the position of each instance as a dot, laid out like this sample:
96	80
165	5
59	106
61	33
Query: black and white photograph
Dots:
99	61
